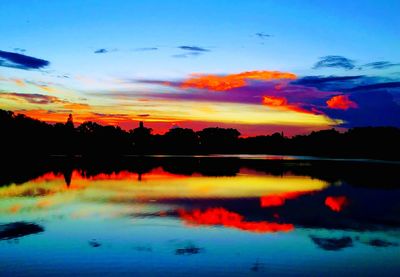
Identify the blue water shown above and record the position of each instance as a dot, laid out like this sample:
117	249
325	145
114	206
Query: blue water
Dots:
164	223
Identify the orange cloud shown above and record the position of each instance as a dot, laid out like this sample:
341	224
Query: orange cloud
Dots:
222	83
341	102
336	203
274	101
282	103
220	216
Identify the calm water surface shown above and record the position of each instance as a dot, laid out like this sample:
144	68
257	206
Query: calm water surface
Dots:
197	216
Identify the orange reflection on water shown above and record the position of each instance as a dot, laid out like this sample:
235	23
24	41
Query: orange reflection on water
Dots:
221	216
154	174
47	177
336	203
275	200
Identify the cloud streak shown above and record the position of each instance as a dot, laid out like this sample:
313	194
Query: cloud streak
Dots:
191	51
333	61
20	61
32	98
263	35
101	51
146	49
381	65
193	48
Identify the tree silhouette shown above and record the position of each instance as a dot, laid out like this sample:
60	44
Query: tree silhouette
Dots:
217	139
21	135
181	140
141	138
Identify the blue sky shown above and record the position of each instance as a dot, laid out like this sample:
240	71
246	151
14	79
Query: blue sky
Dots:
141	40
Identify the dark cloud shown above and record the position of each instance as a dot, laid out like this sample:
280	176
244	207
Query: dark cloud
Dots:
193	48
20	50
263	35
381	65
331	83
143	115
313	80
335	62
332	244
348	83
20	61
101	51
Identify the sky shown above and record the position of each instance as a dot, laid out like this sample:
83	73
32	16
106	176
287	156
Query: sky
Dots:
258	66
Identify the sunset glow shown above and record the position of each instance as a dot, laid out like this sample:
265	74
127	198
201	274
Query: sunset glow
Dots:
199	138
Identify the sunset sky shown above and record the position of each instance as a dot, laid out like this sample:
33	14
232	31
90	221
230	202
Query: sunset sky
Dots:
258	66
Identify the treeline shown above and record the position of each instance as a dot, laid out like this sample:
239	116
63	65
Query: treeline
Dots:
23	135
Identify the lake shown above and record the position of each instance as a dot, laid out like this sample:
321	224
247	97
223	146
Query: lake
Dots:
221	215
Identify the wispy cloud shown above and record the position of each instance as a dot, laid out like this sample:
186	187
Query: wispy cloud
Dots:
376	86
194	48
191	51
263	35
333	61
20	50
32	98
41	99
187	55
146	49
381	65
101	51
20	61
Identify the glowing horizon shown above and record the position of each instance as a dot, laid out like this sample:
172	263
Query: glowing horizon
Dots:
260	77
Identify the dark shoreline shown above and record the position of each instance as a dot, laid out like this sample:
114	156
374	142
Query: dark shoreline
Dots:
358	173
